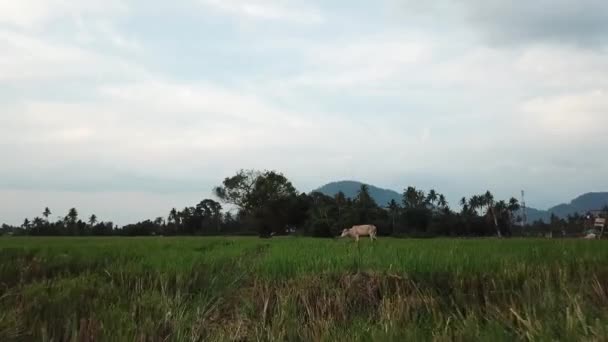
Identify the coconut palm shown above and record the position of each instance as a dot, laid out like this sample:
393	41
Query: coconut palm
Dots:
92	220
46	213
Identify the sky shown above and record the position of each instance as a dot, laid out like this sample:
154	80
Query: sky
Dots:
127	108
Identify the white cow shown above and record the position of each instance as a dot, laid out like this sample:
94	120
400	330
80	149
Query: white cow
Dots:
590	236
364	230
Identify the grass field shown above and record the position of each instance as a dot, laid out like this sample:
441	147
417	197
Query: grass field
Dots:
300	289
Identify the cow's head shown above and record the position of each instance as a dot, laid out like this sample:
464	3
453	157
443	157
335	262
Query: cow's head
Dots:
345	232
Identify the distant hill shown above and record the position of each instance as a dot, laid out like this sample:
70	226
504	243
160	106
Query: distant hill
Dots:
351	188
536	214
581	204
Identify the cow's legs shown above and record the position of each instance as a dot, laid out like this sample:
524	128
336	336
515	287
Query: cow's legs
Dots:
357	238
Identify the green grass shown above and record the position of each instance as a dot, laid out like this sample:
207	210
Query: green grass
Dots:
300	289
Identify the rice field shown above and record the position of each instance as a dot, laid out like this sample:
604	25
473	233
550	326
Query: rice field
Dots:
302	289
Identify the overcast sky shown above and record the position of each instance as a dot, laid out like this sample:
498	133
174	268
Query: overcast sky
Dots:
129	108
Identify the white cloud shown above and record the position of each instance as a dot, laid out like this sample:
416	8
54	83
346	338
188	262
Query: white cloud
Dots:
366	62
34	14
266	10
564	67
571	116
26	57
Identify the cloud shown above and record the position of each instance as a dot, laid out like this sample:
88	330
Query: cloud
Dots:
369	61
578	22
27	57
266	10
571	116
569	21
34	14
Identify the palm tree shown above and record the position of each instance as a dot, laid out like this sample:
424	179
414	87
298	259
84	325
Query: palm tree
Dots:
92	220
413	198
475	202
37	224
46	213
443	204
488	200
465	206
173	216
431	197
513	205
72	216
463	201
442	201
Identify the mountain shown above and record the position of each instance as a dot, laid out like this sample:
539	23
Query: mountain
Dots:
582	204
536	214
351	188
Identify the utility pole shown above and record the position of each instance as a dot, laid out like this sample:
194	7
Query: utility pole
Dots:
524	213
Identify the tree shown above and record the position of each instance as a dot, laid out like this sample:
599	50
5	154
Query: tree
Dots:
92	220
265	196
413	199
72	216
475	203
173	217
211	210
394	209
237	189
465	206
365	205
341	203
431	198
488	200
38	226
443	203
416	211
322	220
46	213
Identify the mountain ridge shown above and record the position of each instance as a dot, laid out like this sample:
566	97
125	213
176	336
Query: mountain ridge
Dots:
580	204
350	188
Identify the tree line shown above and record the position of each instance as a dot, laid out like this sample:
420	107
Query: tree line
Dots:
266	203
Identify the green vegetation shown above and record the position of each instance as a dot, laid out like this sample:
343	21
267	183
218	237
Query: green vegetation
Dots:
302	289
266	203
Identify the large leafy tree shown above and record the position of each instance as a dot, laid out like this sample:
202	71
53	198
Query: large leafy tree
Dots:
266	196
211	211
238	189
